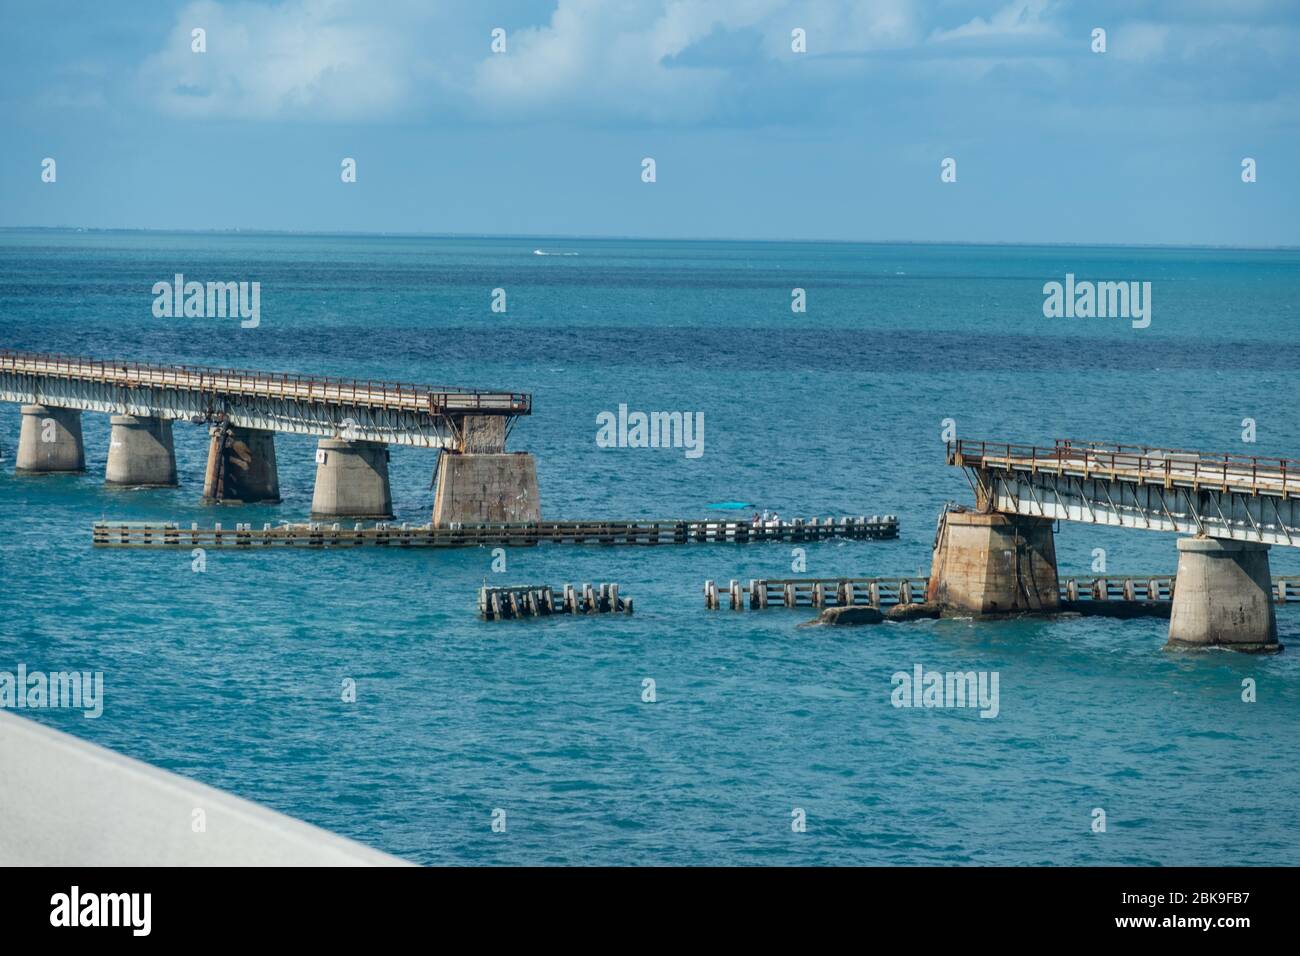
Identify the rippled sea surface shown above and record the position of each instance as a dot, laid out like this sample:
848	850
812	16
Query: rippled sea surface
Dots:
233	676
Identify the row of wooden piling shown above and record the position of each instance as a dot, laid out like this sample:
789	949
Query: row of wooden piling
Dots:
529	600
885	592
816	592
126	534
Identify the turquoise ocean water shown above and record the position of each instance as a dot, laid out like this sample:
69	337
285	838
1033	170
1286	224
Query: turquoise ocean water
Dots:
233	676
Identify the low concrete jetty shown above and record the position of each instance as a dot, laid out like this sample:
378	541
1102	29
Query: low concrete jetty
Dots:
516	601
1109	595
127	534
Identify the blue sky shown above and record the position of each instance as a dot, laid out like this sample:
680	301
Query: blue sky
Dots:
1053	142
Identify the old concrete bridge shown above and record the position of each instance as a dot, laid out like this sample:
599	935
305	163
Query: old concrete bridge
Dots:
1001	557
355	420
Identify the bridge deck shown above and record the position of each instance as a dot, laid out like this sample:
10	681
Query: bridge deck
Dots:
1139	464
395	396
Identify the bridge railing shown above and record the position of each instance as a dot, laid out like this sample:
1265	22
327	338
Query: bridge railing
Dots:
1146	462
288	385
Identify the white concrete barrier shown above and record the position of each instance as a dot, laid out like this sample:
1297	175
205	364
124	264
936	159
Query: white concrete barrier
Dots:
66	802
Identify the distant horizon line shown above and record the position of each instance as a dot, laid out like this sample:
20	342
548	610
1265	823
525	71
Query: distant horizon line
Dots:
590	237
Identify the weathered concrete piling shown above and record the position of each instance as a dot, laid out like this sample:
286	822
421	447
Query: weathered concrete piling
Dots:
1224	597
486	489
993	564
351	480
534	600
49	440
479	482
241	465
140	452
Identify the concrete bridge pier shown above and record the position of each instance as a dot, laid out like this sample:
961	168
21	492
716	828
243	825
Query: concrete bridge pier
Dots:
140	452
351	480
1223	597
241	465
994	564
49	440
480	482
486	489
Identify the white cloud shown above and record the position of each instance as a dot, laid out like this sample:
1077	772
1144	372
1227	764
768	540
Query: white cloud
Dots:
837	26
1138	41
599	57
640	61
1018	19
305	59
352	59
